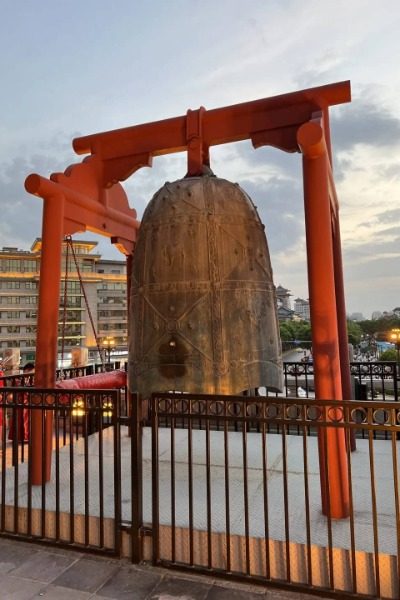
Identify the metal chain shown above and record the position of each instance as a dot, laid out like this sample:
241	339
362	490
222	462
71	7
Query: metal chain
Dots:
64	308
69	241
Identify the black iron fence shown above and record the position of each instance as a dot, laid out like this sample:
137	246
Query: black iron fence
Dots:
248	504
376	380
27	379
371	380
214	483
81	503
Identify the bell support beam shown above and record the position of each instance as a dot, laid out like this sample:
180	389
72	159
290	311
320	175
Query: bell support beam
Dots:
322	291
88	204
279	115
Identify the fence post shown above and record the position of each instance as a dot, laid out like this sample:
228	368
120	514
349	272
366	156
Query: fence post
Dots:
395	384
136	432
117	470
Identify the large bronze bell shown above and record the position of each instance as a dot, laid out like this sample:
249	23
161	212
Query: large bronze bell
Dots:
203	312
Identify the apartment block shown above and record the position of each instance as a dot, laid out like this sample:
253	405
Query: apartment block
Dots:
92	286
302	308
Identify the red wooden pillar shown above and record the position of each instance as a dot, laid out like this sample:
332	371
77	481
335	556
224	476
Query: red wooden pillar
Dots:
47	332
321	277
339	288
342	323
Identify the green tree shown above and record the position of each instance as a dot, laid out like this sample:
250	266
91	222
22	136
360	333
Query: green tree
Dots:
354	332
390	354
379	327
369	326
295	330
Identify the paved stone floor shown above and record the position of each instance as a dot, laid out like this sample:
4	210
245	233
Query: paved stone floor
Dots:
29	571
361	483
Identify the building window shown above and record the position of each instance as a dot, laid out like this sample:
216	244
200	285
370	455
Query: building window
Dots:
16	265
13	329
113	300
119	286
72	287
113	326
73	316
29	265
87	266
104	314
14	299
72	301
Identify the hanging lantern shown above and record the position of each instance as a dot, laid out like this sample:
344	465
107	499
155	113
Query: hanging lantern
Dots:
203	311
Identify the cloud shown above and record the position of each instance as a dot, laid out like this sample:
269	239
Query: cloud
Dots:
364	123
390	172
390	216
21	214
366	142
372	283
21	219
273	180
280	209
141	187
368	199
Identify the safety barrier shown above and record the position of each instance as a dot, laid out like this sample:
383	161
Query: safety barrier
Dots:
214	484
248	503
81	504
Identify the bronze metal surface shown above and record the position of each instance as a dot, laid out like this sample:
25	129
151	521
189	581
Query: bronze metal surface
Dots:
203	310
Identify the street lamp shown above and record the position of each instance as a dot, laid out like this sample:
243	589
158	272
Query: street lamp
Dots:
394	337
109	344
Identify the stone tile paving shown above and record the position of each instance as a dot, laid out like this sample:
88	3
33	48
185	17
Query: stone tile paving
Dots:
30	571
295	455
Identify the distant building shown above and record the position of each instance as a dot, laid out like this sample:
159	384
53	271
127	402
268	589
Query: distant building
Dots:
387	314
104	283
283	297
302	309
285	312
356	316
377	314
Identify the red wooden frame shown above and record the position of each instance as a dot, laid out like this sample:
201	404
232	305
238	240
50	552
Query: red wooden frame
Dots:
89	196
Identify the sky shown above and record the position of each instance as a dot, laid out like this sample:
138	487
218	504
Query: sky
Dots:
76	67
